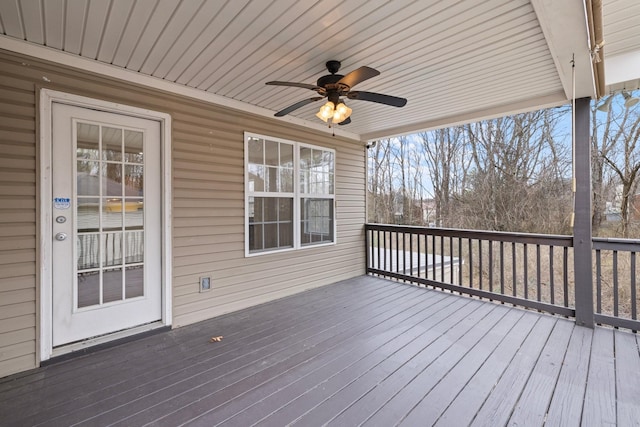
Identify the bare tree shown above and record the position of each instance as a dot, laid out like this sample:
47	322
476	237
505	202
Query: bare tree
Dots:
444	153
618	149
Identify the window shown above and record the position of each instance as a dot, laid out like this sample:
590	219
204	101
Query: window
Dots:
289	189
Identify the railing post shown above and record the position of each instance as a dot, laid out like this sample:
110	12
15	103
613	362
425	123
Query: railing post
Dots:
582	238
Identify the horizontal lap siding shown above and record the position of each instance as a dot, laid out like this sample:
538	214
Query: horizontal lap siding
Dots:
17	224
208	204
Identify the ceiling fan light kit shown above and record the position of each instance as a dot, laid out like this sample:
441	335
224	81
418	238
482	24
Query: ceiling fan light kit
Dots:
333	86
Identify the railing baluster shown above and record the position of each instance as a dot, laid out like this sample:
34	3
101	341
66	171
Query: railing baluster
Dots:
411	253
513	268
525	279
442	258
565	275
502	268
480	263
469	244
538	281
598	281
451	252
490	266
433	257
551	287
615	283
634	312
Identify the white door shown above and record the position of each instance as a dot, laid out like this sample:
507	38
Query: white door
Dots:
106	228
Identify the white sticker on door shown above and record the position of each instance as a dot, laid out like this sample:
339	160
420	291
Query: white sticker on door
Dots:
61	202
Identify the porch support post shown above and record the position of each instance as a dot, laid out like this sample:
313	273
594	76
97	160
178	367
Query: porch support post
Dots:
582	238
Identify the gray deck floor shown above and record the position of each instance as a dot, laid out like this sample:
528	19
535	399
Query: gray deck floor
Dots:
363	351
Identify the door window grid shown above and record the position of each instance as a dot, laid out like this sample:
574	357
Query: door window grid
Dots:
110	212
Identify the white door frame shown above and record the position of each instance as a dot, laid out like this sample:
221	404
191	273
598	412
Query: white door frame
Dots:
47	98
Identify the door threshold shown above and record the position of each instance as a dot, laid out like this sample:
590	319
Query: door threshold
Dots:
91	345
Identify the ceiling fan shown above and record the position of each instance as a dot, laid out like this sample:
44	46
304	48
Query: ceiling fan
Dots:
334	86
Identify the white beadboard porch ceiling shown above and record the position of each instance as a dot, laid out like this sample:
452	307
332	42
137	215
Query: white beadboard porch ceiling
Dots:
454	60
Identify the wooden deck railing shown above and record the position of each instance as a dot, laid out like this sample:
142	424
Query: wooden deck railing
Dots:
616	282
530	270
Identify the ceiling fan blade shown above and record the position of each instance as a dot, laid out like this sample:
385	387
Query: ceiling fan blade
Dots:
294	84
297	105
345	121
358	76
379	98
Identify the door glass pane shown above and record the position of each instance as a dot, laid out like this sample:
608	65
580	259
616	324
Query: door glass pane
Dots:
134	247
87	211
112	179
88	251
133	146
133	180
88	141
111	285
133	214
112	249
111	143
134	281
88	289
111	214
88	178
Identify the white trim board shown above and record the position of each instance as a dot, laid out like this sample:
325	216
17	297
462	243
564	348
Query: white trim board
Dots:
101	68
47	98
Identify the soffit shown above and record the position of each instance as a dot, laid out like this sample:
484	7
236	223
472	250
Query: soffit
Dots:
454	60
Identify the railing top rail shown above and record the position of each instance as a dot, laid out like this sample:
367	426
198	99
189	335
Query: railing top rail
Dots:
501	236
614	244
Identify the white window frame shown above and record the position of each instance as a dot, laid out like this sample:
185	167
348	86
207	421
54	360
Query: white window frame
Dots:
297	196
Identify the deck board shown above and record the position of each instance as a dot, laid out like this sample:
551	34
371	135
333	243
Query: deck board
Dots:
600	395
627	379
365	350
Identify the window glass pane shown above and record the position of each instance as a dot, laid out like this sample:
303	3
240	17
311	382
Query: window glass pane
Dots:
272	157
272	180
270	209
88	139
255	237
305	158
256	152
256	178
133	144
304	181
255	209
331	189
286	155
285	209
286	180
270	236
318	159
316	221
286	235
111	143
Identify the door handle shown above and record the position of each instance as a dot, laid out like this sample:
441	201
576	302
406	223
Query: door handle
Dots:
61	236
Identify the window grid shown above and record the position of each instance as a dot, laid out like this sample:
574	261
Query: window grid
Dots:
289	195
